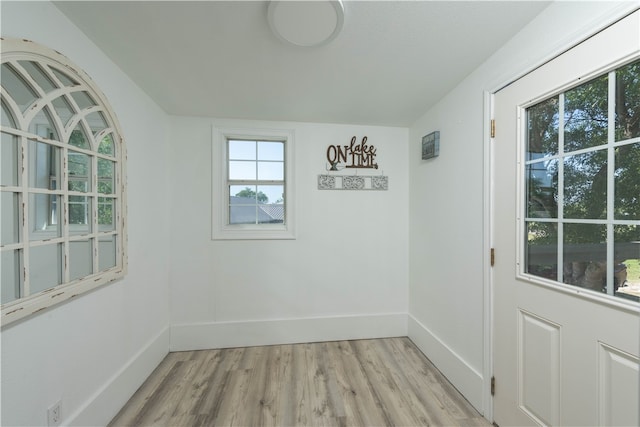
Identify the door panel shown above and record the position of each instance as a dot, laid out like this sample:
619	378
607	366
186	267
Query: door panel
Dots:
539	367
618	374
564	353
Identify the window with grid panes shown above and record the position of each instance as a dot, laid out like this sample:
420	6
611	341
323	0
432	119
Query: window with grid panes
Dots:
252	195
582	185
62	182
256	182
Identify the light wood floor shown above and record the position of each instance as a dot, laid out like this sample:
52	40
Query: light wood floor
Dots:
382	382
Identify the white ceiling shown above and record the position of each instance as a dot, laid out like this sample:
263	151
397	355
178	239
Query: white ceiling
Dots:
392	61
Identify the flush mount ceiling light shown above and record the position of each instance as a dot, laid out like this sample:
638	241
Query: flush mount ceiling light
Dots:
306	23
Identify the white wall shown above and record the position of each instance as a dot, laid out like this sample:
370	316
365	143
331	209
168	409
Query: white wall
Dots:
448	273
95	350
345	276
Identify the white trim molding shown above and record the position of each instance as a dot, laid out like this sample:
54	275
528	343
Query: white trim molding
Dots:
101	407
464	377
210	335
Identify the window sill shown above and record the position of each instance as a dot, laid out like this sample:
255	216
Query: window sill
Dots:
248	232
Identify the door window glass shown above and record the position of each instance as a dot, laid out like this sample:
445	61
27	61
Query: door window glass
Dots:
582	185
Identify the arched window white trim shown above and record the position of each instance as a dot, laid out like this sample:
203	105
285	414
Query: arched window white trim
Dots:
62	182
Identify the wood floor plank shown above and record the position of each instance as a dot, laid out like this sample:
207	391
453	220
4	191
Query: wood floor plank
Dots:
366	408
208	406
452	401
415	374
382	383
320	409
196	386
284	388
385	382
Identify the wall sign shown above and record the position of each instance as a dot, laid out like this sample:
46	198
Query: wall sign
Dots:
431	145
353	155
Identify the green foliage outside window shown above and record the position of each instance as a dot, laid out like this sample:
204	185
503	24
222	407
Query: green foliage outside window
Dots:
574	150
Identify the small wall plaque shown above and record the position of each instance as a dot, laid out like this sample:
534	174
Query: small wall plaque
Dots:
431	145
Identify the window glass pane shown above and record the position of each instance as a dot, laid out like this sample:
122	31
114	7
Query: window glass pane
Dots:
63	109
96	122
83	100
270	194
271	212
627	261
79	172
63	77
19	90
44	215
242	150
42	125
106	252
10	232
268	150
80	259
7	118
273	171
107	146
9	159
585	185
542	249
585	256
106	184
241	214
44	161
45	267
78	138
38	75
10	270
542	129
243	202
627	182
106	214
242	170
243	194
628	102
542	189
79	215
263	204
586	115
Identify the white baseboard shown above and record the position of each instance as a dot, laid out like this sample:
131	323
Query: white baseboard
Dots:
109	399
467	380
199	336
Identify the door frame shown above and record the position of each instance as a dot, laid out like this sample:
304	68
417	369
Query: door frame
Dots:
561	46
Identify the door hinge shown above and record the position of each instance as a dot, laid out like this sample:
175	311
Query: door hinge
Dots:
493	386
493	128
493	256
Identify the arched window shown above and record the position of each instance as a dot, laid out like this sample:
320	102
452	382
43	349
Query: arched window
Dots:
62	182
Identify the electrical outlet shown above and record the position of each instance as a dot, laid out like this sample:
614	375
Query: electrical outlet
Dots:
54	416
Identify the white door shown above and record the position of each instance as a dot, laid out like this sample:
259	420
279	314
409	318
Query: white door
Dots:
566	233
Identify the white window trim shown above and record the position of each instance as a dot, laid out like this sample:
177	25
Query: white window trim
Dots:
18	49
221	229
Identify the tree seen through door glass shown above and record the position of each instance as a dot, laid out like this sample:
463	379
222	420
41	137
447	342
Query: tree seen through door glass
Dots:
585	115
577	200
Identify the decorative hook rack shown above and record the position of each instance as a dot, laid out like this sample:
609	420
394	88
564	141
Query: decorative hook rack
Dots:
353	182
